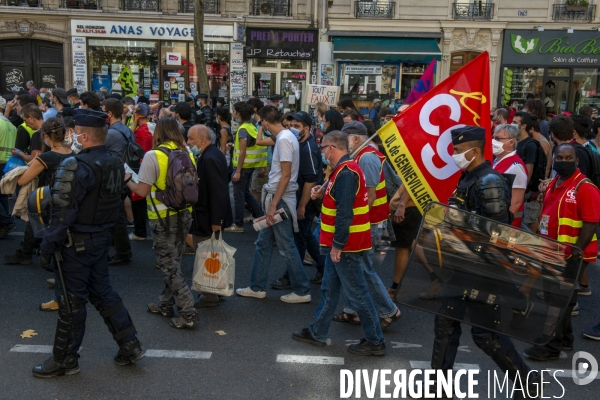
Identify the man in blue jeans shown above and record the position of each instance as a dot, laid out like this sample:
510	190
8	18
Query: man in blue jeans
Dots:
279	192
345	236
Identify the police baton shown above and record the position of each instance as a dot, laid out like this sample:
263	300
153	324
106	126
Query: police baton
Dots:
59	259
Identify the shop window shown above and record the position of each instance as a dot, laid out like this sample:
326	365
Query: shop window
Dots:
81	4
519	84
264	63
217	68
210	6
141	5
108	57
292	64
271	7
173	53
586	89
364	82
563	72
411	73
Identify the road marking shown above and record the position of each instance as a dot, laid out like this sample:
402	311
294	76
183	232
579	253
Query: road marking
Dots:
34	348
457	366
199	355
288	358
351	341
398	345
464	348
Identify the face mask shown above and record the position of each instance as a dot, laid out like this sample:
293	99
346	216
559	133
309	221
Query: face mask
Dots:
198	103
461	159
42	95
325	160
75	146
280	106
71	103
195	151
237	120
497	147
322	126
515	124
296	132
46	143
564	168
68	140
51	104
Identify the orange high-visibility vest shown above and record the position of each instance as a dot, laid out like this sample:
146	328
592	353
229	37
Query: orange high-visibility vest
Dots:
380	209
360	228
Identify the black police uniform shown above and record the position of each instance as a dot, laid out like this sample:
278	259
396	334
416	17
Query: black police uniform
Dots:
204	114
86	198
485	192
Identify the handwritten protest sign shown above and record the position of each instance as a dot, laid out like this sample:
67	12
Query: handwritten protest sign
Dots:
322	94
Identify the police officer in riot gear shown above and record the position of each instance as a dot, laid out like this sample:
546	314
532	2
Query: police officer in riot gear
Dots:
86	198
483	191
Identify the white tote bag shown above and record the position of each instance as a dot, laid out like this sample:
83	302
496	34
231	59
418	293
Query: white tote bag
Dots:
214	267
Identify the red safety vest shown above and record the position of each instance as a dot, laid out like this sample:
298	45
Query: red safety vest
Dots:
569	222
502	166
380	209
360	228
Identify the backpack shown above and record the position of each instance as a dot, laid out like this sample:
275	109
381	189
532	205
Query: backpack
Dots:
539	168
181	188
594	164
133	154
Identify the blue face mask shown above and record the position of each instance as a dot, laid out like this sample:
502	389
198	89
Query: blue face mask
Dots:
280	106
195	151
42	95
51	104
322	126
296	133
198	103
325	161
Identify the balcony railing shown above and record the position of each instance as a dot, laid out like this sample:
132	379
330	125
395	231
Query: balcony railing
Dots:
271	7
562	12
82	4
140	5
473	11
374	9
21	3
210	6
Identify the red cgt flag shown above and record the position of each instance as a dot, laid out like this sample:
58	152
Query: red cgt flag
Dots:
418	141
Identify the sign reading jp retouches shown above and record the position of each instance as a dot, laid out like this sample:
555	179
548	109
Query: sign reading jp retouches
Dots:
281	43
143	30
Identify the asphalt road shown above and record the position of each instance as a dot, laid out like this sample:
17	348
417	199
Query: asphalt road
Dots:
242	363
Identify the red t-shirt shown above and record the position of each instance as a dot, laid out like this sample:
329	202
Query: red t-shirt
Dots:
588	206
143	137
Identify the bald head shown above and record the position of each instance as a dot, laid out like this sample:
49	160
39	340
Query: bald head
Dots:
200	136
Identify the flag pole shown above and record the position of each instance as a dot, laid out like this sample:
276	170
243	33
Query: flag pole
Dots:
362	146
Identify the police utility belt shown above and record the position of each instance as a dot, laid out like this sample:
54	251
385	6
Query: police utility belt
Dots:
77	239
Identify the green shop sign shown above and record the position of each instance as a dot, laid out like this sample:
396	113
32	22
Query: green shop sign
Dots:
529	47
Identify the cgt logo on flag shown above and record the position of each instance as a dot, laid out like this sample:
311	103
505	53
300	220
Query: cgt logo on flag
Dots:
523	46
418	141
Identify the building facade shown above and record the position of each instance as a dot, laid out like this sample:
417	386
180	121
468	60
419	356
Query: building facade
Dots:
371	49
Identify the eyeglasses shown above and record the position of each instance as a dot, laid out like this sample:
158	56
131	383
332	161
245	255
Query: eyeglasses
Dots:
323	148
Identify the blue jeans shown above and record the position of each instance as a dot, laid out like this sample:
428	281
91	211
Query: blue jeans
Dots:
348	275
241	195
5	217
306	240
283	234
383	302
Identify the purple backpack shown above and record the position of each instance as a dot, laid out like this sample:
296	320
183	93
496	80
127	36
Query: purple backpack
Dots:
181	189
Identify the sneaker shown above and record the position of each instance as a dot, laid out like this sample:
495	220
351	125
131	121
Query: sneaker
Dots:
575	309
52	305
308	260
234	229
5	230
583	291
129	353
166	311
182	323
306	337
131	224
51	282
282	283
249	220
18	258
434	288
540	353
248	292
592	333
134	237
366	348
294	298
318	279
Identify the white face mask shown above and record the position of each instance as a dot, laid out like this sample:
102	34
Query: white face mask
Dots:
75	146
497	147
461	160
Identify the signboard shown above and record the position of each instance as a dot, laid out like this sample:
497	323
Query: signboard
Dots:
282	43
238	75
238	32
145	30
173	58
551	48
364	69
322	94
78	45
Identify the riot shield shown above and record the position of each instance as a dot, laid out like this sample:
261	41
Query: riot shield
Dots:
490	274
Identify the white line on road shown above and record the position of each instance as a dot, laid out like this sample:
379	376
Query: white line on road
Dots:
288	358
398	345
457	366
31	348
200	355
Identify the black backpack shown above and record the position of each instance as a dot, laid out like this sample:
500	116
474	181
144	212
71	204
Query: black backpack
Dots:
133	154
594	164
539	168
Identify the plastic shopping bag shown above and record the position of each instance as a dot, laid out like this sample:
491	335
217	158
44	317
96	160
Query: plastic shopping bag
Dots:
12	163
214	267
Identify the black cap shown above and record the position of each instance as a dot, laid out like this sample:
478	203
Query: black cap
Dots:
189	99
91	118
301	116
221	100
182	108
355	128
71	91
61	95
467	134
276	97
202	96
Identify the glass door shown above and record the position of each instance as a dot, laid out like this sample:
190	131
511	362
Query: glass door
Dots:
292	89
556	90
173	84
264	84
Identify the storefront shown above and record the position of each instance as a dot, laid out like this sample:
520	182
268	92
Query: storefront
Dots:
562	69
381	67
160	56
281	61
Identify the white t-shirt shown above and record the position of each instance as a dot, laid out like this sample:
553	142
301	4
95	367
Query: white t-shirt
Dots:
519	172
287	149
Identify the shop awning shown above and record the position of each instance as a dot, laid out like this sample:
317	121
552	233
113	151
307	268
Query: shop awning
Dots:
416	50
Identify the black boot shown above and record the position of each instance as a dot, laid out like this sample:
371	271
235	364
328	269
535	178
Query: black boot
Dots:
129	353
366	348
50	367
